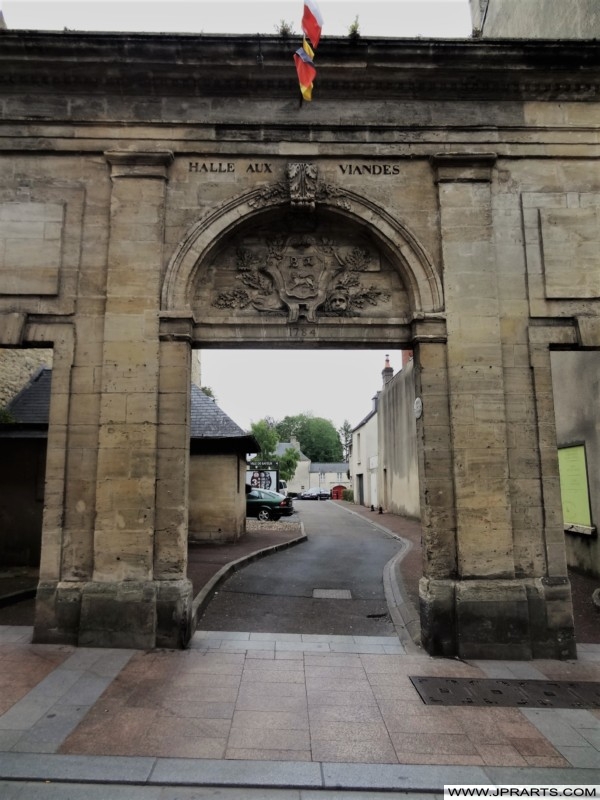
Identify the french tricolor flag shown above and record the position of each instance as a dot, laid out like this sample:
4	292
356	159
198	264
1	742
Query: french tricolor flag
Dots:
312	22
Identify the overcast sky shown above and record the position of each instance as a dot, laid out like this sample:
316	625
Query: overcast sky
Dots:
334	384
250	385
440	18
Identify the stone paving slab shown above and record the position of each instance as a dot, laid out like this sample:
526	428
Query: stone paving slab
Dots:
316	708
283	715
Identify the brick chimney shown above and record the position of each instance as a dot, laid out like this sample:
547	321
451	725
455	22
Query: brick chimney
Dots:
387	372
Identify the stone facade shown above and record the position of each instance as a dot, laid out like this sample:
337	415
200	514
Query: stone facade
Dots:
217	504
183	198
329	476
544	19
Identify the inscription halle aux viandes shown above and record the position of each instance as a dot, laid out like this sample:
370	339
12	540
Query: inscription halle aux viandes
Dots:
231	167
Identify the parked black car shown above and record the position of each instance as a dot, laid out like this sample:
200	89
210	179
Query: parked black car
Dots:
264	504
315	494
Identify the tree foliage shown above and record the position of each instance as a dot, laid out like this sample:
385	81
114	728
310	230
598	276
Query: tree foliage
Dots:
317	437
288	463
345	433
265	432
266	435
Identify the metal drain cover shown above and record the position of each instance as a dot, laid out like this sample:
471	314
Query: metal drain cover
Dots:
507	693
332	594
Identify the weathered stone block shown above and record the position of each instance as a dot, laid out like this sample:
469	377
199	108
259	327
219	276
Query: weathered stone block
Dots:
493	618
57	613
118	615
438	617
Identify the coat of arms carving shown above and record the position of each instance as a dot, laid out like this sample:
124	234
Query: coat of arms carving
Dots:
302	274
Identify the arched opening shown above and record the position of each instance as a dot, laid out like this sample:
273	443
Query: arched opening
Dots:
259	272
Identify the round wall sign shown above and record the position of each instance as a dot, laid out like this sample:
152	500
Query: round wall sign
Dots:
418	407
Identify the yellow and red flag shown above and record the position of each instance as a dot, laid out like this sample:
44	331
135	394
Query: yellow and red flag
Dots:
312	24
305	69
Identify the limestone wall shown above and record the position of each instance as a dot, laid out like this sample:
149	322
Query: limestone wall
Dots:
536	19
217	510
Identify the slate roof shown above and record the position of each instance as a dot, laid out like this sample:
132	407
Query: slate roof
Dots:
283	446
209	424
30	408
371	413
329	467
208	421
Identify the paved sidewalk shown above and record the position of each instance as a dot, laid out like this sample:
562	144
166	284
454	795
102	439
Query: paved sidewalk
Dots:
279	711
273	716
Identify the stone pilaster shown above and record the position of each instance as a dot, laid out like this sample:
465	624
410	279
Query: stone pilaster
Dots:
172	484
436	487
119	604
498	612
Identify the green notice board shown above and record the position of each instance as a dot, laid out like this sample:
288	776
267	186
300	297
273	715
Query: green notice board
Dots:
574	485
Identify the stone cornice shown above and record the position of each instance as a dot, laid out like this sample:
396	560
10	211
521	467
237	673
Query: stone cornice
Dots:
209	66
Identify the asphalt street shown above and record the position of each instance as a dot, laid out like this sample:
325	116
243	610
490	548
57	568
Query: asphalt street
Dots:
330	584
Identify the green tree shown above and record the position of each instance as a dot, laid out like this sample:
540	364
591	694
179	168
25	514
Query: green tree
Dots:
317	437
288	463
345	433
265	432
266	435
289	427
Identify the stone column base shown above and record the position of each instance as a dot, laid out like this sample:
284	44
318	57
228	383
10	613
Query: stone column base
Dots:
498	619
136	614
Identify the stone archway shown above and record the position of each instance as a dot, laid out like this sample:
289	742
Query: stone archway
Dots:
290	264
304	266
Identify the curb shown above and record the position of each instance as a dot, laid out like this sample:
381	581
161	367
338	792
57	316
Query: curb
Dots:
204	596
405	617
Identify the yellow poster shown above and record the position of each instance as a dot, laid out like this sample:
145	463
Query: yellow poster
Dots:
574	486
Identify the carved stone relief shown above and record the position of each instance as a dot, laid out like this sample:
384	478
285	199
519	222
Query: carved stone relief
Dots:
301	261
283	271
303	190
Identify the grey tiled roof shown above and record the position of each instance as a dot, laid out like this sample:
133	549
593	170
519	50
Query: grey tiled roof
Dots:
208	421
283	446
328	467
32	404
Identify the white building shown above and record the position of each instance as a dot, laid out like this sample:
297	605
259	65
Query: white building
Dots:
364	458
